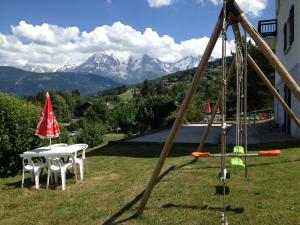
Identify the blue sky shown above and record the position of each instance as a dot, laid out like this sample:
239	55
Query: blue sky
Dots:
80	27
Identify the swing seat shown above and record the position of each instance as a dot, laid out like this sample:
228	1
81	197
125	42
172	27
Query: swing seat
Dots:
200	154
238	149
269	153
237	163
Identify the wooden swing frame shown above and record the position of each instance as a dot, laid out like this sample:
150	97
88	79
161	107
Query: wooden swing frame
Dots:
235	16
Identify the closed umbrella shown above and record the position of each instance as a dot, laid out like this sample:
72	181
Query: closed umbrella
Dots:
48	126
208	108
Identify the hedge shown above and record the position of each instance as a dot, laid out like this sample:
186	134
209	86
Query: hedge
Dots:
18	120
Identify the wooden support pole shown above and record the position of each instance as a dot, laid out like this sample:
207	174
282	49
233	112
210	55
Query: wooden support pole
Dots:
273	90
271	57
168	145
264	78
214	112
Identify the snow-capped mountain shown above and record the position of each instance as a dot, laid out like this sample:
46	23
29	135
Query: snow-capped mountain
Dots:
187	63
133	70
146	67
107	65
66	68
37	68
125	69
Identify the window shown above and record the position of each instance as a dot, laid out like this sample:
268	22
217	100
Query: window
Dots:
291	26
284	38
288	31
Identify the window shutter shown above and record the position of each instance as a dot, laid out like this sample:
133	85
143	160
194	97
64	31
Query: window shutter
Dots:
291	26
284	37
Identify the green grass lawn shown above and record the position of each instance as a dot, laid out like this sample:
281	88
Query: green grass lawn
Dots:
185	193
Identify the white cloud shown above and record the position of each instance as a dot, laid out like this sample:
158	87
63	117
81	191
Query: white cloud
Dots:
45	34
159	3
251	7
216	2
52	46
254	7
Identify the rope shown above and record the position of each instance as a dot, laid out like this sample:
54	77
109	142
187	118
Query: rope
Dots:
239	94
223	128
245	102
238	97
241	107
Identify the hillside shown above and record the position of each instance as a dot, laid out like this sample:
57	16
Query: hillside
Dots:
24	83
209	87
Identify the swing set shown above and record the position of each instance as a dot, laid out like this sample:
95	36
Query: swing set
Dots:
231	15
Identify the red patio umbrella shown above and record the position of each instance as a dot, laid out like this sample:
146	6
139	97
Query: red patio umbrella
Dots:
208	108
48	126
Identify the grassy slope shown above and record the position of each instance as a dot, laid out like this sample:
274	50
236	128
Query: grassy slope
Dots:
185	195
127	95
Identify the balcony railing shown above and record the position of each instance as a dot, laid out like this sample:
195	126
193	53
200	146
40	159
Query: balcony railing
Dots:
267	28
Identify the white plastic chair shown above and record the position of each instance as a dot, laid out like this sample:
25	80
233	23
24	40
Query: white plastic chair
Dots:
57	167
82	160
59	145
34	168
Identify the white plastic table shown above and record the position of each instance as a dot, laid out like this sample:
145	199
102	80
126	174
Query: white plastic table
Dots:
64	152
54	150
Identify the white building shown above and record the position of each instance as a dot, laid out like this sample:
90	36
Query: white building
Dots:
286	43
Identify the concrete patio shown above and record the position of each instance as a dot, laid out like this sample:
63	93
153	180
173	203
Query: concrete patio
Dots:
262	132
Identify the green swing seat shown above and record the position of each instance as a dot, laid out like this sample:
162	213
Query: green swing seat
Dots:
237	162
238	149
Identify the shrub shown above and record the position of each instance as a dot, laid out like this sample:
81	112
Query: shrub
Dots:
91	134
75	125
18	120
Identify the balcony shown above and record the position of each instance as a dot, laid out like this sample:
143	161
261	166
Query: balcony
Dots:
268	30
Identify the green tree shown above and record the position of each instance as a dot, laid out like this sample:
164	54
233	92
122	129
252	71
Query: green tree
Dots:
99	111
178	91
60	107
154	110
125	117
70	101
147	89
195	112
259	96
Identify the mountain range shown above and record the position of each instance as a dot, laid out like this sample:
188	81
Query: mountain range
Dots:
128	70
98	73
24	83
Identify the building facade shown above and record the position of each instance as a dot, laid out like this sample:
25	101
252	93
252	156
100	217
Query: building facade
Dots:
287	47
